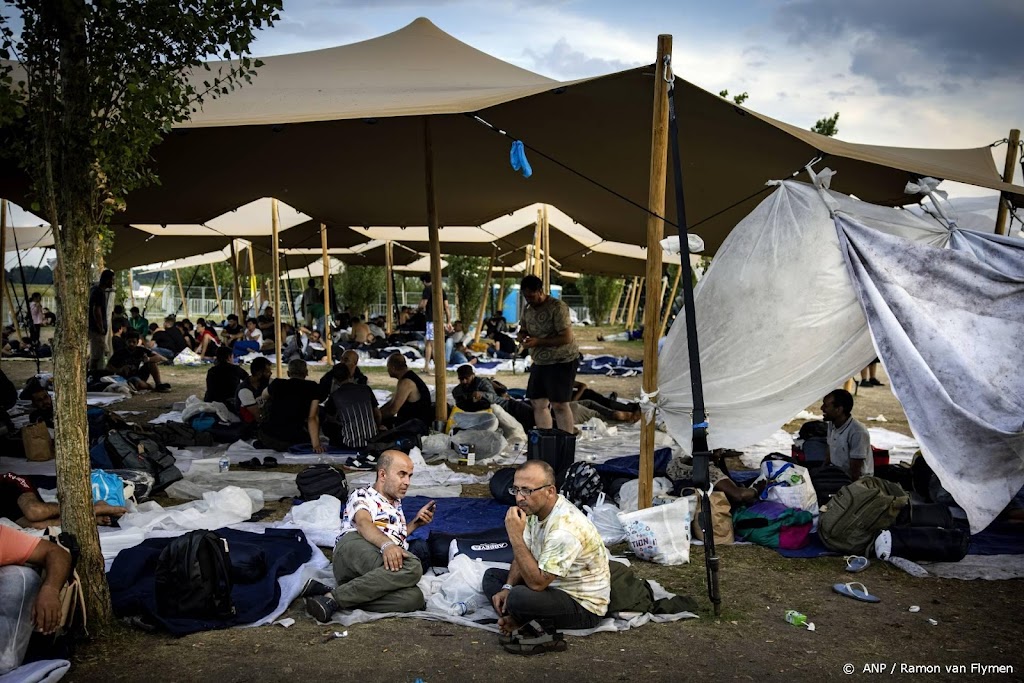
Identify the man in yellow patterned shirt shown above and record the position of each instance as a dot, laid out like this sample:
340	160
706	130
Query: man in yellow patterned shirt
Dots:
559	578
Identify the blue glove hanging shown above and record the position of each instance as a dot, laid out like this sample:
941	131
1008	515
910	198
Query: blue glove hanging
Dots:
518	159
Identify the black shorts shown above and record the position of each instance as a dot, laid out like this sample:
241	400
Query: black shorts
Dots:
553	382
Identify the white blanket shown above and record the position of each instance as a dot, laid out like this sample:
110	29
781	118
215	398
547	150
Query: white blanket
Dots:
777	317
943	321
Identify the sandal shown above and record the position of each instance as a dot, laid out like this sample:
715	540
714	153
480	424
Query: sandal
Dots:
531	640
252	463
856	563
269	461
851	590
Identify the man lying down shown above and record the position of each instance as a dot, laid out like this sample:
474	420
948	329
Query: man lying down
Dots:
559	578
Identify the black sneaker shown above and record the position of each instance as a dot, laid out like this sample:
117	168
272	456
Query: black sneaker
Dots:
866	383
875	383
314	588
163	387
321	607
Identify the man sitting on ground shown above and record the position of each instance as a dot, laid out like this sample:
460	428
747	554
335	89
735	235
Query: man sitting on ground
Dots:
26	598
329	381
354	417
42	406
251	393
135	364
849	444
504	346
372	564
294	417
138	323
251	341
559	575
496	323
412	398
232	331
474	393
223	378
20	503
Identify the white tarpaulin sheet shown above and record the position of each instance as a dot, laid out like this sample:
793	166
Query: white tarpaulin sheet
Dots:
944	321
778	320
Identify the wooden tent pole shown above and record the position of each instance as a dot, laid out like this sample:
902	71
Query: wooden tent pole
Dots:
325	333
252	282
389	259
437	293
661	297
635	307
615	308
236	290
275	226
216	290
3	255
546	236
181	293
655	233
501	291
1013	144
538	232
627	304
131	288
486	297
671	298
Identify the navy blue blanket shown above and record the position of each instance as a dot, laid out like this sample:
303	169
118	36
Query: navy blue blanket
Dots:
629	465
132	578
457	516
610	365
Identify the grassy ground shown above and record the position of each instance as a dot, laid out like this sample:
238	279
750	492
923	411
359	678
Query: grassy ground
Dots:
977	622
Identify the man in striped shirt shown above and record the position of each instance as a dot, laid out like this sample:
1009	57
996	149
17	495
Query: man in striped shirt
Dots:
356	417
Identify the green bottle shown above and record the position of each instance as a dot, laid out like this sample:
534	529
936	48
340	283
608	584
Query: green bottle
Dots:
795	618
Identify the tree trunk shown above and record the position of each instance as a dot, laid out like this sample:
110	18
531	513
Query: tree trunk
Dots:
71	208
72	281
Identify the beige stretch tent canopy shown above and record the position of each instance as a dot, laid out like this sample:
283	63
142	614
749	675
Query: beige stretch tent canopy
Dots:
343	129
573	247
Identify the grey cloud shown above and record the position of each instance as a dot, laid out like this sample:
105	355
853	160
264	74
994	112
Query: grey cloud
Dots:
977	40
563	62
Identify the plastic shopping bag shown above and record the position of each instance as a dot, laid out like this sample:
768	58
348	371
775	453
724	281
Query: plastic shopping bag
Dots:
660	534
605	517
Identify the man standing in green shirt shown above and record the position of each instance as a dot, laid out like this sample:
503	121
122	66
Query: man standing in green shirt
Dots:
546	330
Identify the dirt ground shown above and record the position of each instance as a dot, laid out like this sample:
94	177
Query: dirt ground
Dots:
978	623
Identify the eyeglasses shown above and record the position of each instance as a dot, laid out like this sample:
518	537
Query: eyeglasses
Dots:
517	490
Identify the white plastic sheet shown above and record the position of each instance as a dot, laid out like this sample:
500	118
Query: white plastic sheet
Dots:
943	320
228	506
778	321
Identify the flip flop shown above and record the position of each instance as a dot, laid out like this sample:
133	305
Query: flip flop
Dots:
850	590
269	461
856	563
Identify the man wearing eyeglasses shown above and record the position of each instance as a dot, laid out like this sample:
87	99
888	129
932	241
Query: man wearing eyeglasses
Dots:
559	578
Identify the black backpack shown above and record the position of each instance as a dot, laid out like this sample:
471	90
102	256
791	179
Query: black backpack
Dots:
317	480
403	437
132	450
582	484
180	435
500	483
827	481
193	578
553	446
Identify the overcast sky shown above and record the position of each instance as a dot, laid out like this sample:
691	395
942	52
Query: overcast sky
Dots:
947	73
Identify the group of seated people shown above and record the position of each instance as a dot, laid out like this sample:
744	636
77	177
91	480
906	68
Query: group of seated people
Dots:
287	412
560	576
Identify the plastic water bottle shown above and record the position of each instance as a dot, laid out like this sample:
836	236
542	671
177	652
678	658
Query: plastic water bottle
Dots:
458	609
224	464
795	618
